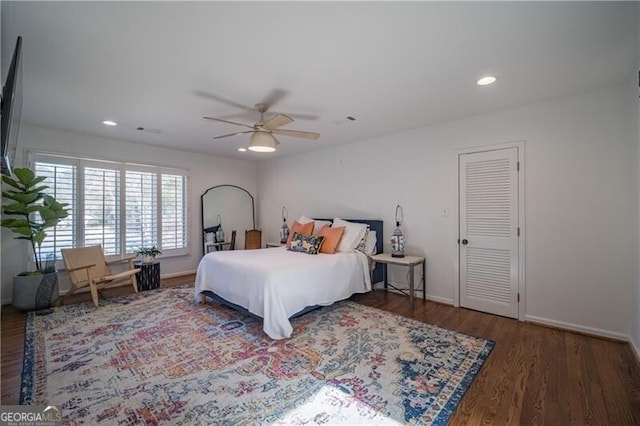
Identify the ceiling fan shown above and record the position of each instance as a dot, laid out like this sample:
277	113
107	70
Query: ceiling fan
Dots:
262	139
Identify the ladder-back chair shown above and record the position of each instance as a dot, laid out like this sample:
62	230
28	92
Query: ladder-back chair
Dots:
252	239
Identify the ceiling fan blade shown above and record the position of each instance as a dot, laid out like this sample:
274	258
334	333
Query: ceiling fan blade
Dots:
223	100
296	133
298	116
277	121
227	121
233	134
274	97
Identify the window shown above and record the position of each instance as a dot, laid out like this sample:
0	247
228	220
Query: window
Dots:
120	206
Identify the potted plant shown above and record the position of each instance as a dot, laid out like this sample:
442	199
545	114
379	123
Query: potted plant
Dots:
148	254
29	212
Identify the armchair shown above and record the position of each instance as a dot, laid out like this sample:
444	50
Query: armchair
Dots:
87	267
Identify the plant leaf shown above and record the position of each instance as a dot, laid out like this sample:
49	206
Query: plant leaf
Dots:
22	230
25	176
25	197
11	182
15	223
38	237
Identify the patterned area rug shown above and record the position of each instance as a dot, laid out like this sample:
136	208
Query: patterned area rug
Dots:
159	357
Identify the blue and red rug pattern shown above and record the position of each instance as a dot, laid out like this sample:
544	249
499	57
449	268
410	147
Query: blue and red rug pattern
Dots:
158	357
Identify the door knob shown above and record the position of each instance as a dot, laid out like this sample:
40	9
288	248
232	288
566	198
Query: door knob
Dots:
465	242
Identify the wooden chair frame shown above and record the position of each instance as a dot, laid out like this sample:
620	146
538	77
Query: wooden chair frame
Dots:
97	276
252	239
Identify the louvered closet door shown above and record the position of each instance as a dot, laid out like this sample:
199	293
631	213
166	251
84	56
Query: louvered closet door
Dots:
488	231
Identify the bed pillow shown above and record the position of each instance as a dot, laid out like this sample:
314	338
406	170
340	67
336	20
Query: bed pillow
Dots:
309	244
370	243
332	237
353	234
300	228
318	224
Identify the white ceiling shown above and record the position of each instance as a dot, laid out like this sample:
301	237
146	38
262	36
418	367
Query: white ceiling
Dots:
393	66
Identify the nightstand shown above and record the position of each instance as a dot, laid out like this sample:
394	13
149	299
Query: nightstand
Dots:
410	262
273	244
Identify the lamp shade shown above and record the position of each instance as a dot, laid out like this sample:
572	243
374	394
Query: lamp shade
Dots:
262	141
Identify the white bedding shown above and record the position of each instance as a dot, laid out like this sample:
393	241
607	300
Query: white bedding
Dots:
275	283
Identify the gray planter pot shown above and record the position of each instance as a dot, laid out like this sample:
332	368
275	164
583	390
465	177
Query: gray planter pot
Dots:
35	292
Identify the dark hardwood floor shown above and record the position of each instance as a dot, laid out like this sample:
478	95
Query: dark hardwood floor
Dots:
534	376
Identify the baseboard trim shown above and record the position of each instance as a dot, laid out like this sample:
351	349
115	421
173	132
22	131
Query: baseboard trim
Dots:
589	331
417	294
177	274
442	300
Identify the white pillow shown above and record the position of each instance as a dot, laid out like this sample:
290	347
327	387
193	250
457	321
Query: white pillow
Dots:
370	243
317	226
353	234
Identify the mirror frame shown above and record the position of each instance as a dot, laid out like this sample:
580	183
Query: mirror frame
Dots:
253	209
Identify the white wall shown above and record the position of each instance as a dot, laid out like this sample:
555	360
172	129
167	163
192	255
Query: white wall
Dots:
635	94
580	200
204	172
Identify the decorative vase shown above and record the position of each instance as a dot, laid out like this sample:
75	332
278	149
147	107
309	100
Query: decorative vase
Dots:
35	292
284	233
397	238
147	259
397	243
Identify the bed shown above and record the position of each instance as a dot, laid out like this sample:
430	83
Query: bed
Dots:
276	284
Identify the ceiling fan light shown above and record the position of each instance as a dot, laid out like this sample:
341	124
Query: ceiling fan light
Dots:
262	142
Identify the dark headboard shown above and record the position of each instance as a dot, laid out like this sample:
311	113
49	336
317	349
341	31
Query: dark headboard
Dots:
374	225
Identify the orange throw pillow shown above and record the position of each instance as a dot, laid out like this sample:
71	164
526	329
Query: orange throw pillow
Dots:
300	228
332	237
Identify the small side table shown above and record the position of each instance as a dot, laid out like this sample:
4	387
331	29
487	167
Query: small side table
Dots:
149	276
274	244
409	261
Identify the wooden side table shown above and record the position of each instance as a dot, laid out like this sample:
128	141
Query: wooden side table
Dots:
409	261
149	276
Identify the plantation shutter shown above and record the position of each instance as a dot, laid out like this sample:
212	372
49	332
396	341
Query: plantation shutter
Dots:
60	180
118	205
173	199
141	210
102	208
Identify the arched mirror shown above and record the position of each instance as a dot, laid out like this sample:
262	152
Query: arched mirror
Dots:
225	208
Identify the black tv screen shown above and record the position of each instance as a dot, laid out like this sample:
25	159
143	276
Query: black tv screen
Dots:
11	109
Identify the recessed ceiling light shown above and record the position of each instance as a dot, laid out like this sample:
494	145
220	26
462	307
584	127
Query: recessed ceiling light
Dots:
242	149
109	123
486	80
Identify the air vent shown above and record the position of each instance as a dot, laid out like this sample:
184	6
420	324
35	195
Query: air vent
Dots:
344	120
144	129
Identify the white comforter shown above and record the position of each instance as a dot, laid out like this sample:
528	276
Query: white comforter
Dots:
275	283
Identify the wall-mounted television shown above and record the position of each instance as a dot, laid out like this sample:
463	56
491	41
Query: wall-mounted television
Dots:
11	109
